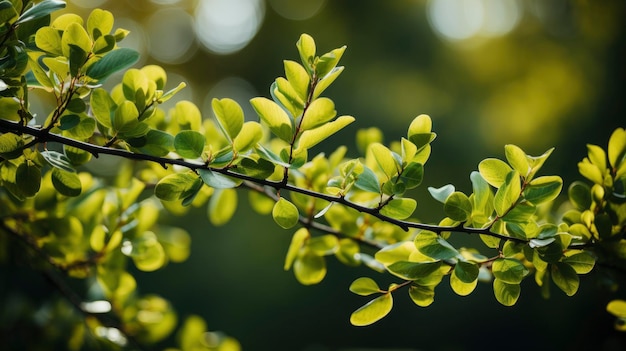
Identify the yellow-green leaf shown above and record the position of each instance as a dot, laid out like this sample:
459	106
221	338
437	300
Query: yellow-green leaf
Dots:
309	268
285	213
222	206
507	294
251	133
75	35
318	112
494	171
297	242
364	286
312	137
229	116
274	117
373	311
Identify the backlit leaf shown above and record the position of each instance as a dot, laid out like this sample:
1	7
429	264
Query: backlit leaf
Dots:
399	208
364	286
28	178
222	206
422	296
414	270
189	144
617	147
582	262
318	112
509	270
297	242
395	252
274	117
506	293
99	23
312	137
285	213
494	171
309	268
543	189
229	116
508	193
251	133
298	78
517	159
457	206
464	278
146	252
373	311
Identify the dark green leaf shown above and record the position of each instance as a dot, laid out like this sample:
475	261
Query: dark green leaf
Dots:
112	62
66	183
28	178
41	9
565	277
217	180
457	206
189	144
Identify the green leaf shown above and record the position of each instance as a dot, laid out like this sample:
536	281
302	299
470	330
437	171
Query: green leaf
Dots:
420	131
112	62
189	144
367	181
309	268
222	206
617	147
306	49
260	169
318	112
323	245
582	262
399	208
508	193
327	62
440	249
75	35
48	39
66	183
565	277
441	194
285	213
41	9
364	286
99	23
176	186
395	252
11	145
414	270
509	270
274	116
125	118
412	175
517	159
326	81
146	251
506	293
297	242
217	180
422	296
458	206
312	137
384	159
373	311
229	116
543	189
494	171
464	278
28	178
298	78
579	195
591	172
58	160
283	93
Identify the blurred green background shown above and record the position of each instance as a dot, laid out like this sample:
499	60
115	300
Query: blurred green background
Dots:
536	73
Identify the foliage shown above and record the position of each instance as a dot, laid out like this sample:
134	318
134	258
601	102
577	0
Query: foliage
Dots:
72	224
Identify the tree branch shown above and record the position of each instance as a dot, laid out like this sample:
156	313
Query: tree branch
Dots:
95	150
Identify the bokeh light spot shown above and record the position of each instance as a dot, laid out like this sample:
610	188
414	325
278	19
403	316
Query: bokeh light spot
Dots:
172	36
226	26
297	10
458	20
